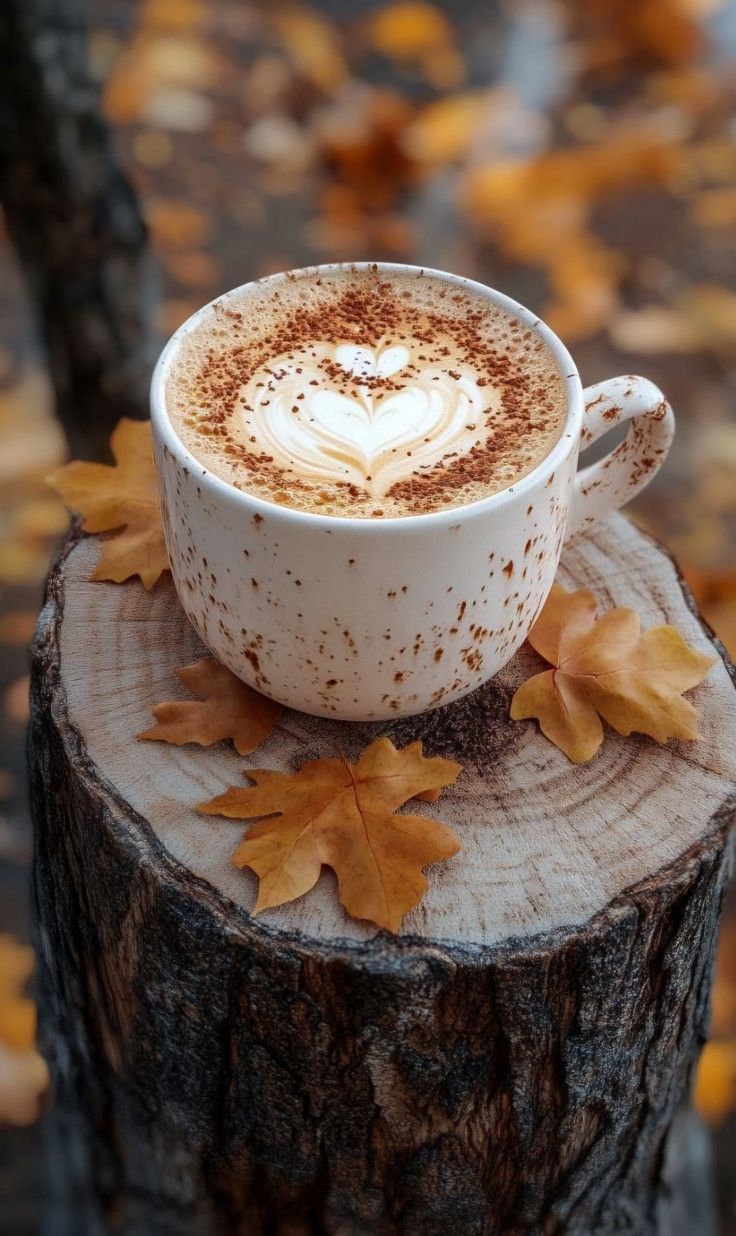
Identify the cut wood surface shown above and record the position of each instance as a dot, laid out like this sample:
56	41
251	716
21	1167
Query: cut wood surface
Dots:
516	1060
546	844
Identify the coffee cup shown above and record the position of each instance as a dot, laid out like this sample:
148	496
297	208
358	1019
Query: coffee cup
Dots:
369	619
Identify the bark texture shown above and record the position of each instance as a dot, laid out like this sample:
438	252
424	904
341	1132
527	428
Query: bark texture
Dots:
74	220
217	1074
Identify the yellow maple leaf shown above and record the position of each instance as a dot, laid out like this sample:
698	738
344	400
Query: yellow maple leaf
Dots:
344	816
226	708
123	500
606	668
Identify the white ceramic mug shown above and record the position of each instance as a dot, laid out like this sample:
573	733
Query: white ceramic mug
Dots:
363	619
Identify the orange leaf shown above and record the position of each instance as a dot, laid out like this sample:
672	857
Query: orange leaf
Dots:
446	128
227	708
177	225
418	32
715	1082
17	1012
715	207
122	499
343	816
521	202
23	1074
23	1079
312	43
606	668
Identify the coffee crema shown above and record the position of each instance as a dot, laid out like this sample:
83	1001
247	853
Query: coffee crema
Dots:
365	394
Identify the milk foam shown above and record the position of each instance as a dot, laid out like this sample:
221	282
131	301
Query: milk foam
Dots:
363	433
366	393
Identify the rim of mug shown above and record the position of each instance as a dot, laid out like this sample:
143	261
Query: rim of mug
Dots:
446	516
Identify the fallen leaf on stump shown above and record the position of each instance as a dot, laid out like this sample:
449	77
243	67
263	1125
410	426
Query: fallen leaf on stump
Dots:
342	816
121	499
606	668
226	708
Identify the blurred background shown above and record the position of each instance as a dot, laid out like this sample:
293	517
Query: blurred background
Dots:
581	157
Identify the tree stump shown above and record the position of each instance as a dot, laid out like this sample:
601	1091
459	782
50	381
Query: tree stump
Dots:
513	1061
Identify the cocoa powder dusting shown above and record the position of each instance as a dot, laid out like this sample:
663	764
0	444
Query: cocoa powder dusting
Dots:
451	330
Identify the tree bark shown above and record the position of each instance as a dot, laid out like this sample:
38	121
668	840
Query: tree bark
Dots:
516	1060
74	220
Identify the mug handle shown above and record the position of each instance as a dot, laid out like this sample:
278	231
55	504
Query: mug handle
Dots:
606	485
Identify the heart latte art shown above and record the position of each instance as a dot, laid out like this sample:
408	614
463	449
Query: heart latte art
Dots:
364	392
369	416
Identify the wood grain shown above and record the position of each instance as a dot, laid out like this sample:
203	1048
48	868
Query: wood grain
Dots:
545	844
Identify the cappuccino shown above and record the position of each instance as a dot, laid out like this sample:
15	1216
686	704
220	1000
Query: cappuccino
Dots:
365	394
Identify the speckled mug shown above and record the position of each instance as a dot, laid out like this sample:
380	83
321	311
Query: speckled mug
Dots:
364	619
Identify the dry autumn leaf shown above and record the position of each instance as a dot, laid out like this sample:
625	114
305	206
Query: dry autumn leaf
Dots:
653	328
343	816
17	1012
715	1082
664	31
715	208
313	45
446	128
521	202
714	1093
701	318
723	994
121	499
606	668
23	1079
177	225
23	1073
227	708
415	32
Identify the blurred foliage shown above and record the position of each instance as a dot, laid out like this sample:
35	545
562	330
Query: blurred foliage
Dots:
23	1074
